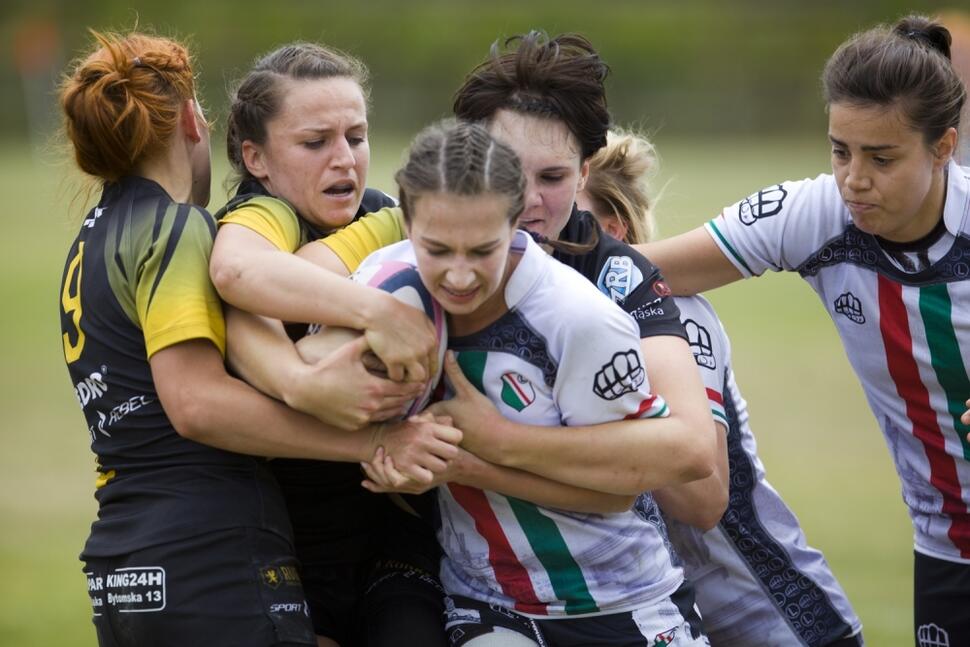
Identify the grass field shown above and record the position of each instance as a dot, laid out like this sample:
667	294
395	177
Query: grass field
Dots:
821	447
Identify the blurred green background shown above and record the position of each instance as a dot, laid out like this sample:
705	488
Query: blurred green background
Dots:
728	90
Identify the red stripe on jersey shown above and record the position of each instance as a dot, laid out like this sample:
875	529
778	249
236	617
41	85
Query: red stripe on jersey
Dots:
715	396
644	406
896	336
512	576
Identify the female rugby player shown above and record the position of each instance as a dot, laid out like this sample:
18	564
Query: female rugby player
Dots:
297	138
883	241
192	544
518	573
743	569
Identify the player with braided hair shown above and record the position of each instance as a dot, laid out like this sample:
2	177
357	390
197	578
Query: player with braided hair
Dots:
521	566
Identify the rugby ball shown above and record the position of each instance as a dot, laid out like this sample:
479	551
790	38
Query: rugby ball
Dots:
403	282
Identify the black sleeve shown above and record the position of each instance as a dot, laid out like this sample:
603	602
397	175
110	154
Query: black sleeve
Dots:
627	277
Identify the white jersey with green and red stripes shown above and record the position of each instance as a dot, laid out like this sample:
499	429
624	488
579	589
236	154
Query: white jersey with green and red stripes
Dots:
904	318
756	579
563	354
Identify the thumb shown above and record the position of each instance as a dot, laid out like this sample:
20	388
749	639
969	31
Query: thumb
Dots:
355	349
453	370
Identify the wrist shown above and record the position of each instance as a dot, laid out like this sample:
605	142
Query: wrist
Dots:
376	308
290	383
502	448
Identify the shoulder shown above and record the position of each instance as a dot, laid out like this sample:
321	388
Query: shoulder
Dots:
374	200
259	205
817	196
575	300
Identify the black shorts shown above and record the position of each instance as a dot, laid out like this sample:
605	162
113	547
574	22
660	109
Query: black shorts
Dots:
941	602
467	619
370	573
236	587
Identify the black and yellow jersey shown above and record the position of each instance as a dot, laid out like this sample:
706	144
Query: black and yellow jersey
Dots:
324	498
136	281
276	220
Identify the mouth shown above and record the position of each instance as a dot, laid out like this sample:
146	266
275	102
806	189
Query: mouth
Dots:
341	190
460	296
859	207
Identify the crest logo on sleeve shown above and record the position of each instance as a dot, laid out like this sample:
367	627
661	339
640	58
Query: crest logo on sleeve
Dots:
847	304
621	375
700	344
619	278
517	390
763	204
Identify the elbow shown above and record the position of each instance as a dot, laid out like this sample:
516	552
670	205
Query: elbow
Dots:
710	514
226	274
699	462
190	415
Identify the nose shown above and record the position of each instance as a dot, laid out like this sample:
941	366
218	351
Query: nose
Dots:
857	178
460	276
533	197
342	156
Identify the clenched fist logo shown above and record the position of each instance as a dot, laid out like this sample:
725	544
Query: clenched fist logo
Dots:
622	374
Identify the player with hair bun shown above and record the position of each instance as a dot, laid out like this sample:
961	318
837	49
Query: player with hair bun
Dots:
742	570
192	544
883	241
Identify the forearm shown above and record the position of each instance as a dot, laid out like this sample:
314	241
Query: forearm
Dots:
699	503
625	457
476	472
628	456
283	286
691	262
259	351
241	420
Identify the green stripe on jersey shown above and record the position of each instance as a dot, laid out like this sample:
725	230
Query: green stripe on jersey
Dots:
472	363
547	542
936	309
734	253
542	533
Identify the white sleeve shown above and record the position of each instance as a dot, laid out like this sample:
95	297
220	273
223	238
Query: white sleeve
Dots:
780	226
601	376
711	348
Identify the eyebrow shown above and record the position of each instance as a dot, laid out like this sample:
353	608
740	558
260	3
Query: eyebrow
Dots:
868	149
329	129
434	243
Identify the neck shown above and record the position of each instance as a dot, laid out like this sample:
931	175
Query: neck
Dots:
171	171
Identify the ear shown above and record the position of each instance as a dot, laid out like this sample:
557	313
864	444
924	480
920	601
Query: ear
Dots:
945	147
614	227
254	159
583	176
191	120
